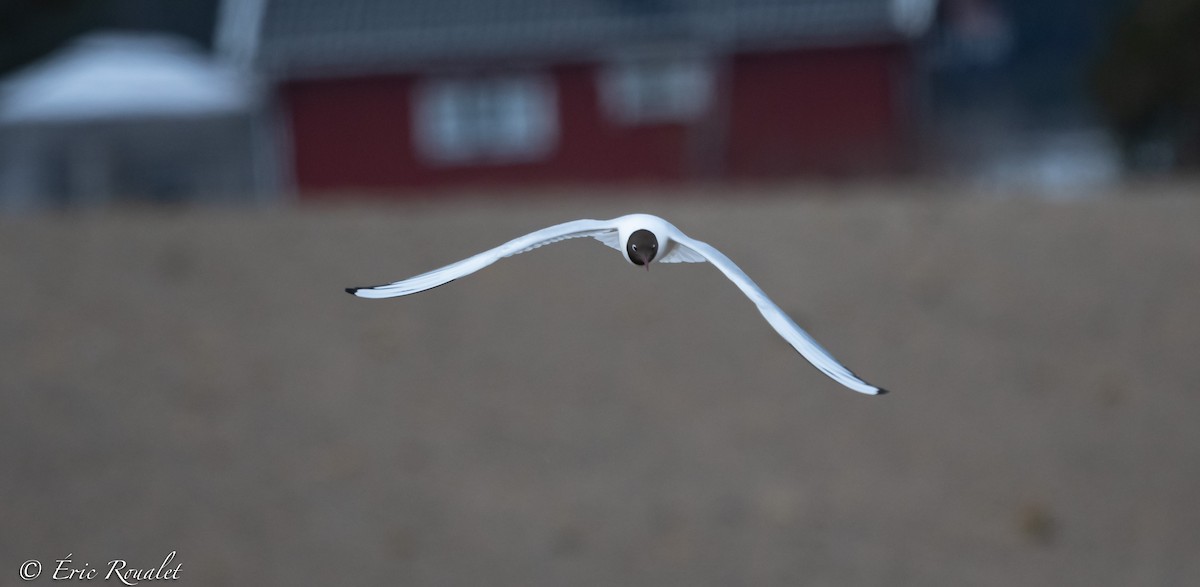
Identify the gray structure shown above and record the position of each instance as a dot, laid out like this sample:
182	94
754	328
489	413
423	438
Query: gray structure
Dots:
313	37
131	116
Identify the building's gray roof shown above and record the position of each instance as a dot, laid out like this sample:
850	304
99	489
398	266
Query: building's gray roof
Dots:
304	37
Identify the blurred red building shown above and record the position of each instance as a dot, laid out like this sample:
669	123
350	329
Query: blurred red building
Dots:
380	95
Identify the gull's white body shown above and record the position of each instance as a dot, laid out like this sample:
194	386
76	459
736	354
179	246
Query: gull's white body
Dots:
674	247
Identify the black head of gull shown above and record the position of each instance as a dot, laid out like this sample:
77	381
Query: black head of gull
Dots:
642	247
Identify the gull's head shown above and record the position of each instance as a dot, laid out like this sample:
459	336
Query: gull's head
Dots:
641	247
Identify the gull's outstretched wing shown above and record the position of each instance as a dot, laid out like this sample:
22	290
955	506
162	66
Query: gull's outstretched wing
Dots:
598	229
796	336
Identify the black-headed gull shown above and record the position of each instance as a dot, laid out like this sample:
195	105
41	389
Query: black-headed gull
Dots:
641	238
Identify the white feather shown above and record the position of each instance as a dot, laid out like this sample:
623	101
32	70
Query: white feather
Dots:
796	336
533	240
610	238
615	233
681	254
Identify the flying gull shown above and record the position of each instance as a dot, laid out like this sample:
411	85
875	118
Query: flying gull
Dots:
641	238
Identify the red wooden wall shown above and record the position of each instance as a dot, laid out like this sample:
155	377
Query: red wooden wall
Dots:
785	114
835	111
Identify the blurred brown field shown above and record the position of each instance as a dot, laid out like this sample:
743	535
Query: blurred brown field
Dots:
197	381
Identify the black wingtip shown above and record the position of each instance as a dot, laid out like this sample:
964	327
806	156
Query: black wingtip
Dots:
352	290
882	391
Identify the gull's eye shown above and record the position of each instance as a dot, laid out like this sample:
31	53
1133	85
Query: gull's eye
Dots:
654	245
634	247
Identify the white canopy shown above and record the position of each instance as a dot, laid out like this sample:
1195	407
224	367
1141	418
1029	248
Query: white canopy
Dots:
108	76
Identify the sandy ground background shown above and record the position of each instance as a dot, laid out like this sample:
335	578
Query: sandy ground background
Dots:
197	381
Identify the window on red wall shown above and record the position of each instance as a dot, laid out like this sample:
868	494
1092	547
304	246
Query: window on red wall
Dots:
657	89
488	119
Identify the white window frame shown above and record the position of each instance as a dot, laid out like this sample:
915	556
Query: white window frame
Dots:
487	119
658	88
